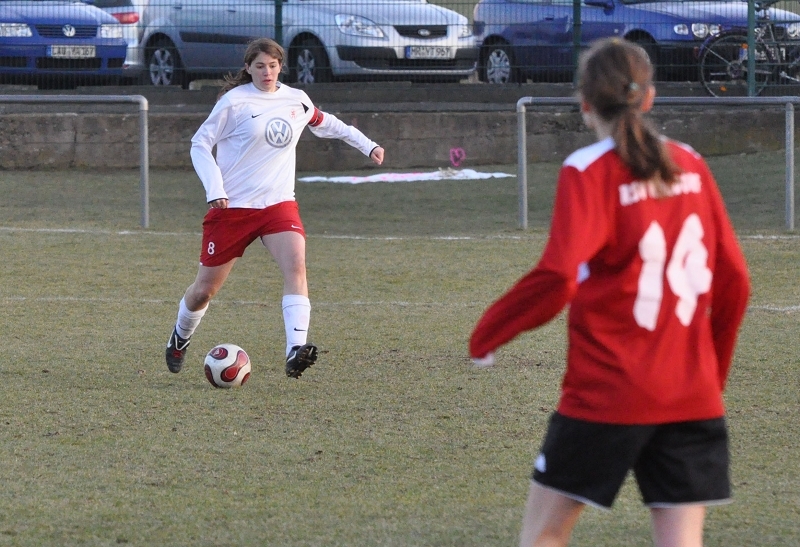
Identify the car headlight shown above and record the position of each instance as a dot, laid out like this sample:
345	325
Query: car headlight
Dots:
793	30
15	30
700	30
464	31
355	25
111	31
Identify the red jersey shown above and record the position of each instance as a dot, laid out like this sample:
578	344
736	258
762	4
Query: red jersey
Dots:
657	287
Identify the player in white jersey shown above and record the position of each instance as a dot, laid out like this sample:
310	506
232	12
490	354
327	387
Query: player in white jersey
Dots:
249	186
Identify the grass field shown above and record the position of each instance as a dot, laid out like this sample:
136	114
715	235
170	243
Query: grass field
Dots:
393	439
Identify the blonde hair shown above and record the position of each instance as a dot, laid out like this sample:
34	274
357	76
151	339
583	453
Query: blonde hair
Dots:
261	45
614	78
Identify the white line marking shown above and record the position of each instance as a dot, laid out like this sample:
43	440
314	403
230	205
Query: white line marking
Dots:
90	231
198	234
320	304
781	309
95	232
228	302
765	236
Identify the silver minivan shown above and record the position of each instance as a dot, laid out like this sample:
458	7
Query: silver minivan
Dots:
325	40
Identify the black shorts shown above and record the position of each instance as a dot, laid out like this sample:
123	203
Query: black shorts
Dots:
674	464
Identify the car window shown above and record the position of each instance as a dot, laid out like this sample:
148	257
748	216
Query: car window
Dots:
678	1
111	3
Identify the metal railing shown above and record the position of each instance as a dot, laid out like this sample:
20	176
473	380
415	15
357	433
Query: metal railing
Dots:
144	152
788	102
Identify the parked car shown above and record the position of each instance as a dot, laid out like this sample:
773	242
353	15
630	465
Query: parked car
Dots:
130	14
58	43
324	39
522	39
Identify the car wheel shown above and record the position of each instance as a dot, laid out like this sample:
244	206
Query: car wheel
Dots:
308	63
497	65
164	64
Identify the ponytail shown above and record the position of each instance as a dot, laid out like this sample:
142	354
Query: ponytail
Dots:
614	78
241	78
642	149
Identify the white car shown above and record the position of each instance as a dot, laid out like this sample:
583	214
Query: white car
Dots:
325	40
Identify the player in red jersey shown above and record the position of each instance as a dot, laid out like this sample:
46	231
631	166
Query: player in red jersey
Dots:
643	251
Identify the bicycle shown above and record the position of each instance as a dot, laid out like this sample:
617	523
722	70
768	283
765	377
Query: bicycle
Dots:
724	57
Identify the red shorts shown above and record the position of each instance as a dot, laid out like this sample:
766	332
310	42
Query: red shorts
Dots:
228	232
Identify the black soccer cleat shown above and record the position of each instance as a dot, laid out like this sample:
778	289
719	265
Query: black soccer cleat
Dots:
299	359
176	351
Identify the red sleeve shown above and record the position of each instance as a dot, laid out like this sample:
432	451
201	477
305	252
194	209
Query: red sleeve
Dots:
533	301
730	288
581	220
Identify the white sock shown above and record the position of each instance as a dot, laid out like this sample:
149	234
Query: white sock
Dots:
188	320
296	318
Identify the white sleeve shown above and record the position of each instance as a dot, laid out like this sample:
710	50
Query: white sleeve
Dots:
331	127
220	123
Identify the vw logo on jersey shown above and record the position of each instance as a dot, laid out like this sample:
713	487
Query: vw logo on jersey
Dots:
278	133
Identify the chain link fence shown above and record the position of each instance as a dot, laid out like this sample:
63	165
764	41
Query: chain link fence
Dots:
176	42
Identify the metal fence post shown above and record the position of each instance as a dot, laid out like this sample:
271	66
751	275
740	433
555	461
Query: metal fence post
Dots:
522	162
279	21
789	166
751	48
144	161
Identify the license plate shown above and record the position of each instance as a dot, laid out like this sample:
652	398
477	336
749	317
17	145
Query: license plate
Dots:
71	52
429	52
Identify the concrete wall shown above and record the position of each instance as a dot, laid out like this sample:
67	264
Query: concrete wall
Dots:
415	133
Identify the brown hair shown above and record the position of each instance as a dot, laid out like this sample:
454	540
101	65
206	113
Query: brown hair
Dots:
614	77
261	45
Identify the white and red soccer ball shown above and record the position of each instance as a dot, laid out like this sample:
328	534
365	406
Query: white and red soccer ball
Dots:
227	365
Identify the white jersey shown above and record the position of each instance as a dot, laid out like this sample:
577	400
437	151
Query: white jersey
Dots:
256	133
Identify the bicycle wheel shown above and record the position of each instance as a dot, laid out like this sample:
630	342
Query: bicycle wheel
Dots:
723	67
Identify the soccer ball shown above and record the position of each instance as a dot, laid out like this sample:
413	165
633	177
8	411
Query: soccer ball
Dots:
227	365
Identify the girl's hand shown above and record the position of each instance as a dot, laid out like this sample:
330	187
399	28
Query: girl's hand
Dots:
377	155
221	203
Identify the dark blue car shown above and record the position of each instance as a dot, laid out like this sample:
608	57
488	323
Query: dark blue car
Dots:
59	43
521	39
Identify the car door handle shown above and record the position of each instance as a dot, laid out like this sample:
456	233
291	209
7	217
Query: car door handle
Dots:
550	18
177	6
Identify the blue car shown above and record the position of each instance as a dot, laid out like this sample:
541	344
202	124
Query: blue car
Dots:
59	43
521	39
